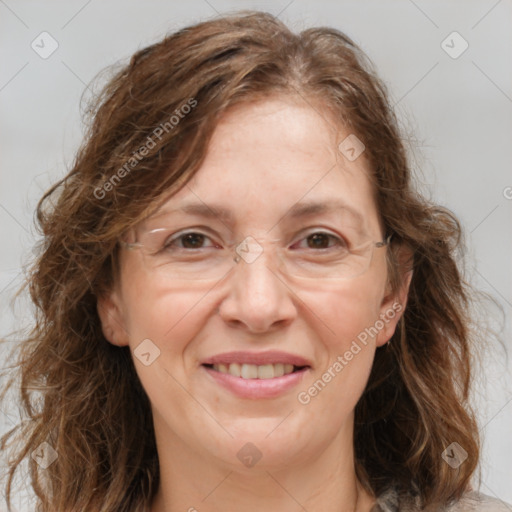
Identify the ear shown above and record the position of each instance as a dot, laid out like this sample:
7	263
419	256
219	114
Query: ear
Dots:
112	319
393	304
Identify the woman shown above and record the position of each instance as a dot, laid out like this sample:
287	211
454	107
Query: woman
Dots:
242	302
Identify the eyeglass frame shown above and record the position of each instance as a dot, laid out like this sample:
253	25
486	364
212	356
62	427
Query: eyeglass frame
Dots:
379	244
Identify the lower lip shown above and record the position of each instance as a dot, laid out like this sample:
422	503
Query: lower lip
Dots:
257	388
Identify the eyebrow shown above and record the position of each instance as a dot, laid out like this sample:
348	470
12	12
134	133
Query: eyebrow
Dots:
298	210
307	209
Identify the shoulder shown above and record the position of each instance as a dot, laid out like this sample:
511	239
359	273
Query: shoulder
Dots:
474	501
471	501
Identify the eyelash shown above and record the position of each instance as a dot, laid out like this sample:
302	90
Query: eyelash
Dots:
338	240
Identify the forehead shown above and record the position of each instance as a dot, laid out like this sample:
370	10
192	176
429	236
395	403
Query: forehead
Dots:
273	158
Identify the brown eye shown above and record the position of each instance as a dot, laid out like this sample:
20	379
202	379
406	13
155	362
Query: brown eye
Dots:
191	240
321	240
318	241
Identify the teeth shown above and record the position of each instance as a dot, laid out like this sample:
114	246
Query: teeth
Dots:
249	371
279	370
252	371
233	369
265	371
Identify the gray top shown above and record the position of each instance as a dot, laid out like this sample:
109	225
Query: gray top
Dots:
471	501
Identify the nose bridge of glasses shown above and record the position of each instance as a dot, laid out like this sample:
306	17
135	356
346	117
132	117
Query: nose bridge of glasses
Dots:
251	249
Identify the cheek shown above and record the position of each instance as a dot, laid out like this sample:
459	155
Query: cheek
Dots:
344	312
345	316
169	317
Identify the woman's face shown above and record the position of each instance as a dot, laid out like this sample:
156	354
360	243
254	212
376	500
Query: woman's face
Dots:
190	338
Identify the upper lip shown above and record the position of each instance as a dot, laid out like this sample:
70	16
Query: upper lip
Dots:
257	358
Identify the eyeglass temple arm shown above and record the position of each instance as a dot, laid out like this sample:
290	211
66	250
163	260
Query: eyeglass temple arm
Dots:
384	242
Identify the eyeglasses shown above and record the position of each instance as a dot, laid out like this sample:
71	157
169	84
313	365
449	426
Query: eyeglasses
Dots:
196	255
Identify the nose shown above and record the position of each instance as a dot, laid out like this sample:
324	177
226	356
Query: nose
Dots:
258	300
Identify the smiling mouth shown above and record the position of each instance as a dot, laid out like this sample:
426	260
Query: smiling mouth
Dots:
253	371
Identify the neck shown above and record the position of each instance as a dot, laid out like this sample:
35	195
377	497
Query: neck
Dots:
190	481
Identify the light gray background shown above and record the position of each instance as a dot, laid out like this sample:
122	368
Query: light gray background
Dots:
459	109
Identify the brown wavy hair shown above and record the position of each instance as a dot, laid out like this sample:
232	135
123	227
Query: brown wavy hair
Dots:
82	395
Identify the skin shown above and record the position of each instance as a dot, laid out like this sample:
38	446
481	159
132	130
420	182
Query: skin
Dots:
263	158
